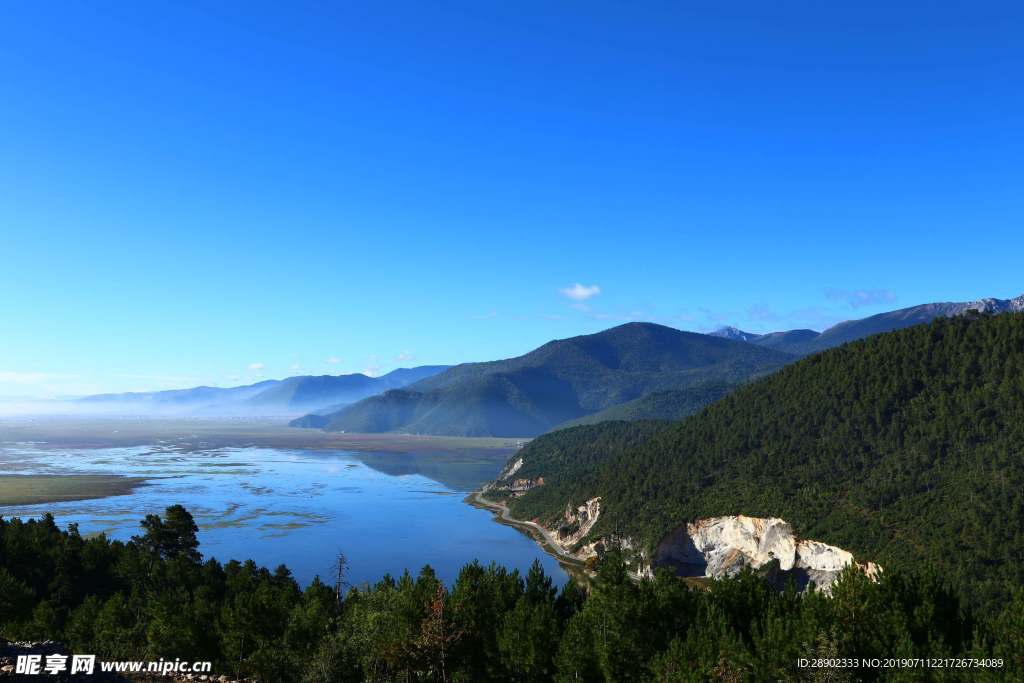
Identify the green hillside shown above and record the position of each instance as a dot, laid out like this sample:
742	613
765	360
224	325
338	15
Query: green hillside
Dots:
560	381
660	405
905	448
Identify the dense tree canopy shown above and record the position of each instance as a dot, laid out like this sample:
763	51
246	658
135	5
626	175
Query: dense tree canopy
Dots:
660	405
905	448
137	600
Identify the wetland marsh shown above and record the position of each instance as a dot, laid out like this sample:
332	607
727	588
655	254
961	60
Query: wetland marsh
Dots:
269	493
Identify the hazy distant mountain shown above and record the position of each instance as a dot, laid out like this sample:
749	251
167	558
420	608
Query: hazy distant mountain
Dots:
806	342
393	380
270	397
557	382
328	391
179	399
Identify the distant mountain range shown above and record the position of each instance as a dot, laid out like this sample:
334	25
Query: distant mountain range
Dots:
806	342
631	372
290	396
560	381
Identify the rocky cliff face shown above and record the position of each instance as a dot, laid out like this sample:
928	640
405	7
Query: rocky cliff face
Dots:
506	486
510	470
577	523
722	546
997	305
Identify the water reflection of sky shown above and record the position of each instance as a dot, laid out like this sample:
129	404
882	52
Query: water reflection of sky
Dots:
386	512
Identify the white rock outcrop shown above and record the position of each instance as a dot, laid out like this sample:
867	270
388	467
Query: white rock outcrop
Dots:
729	543
822	557
578	522
722	546
511	469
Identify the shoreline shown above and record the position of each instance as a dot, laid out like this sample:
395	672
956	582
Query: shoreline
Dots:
573	566
209	433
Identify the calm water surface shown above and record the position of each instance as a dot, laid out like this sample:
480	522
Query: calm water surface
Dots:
385	511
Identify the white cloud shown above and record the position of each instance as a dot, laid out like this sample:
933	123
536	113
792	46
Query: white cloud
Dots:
333	360
294	366
405	356
580	292
256	367
490	315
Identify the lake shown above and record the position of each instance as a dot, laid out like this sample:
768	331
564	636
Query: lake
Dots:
385	511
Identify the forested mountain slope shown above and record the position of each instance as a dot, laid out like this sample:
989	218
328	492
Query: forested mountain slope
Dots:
559	381
659	405
905	448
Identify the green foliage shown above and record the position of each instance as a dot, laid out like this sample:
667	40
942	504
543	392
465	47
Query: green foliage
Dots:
568	460
128	601
660	405
905	448
174	535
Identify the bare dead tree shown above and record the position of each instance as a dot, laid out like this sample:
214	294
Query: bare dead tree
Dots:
340	572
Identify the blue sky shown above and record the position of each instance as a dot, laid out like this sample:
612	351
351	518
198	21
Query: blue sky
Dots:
219	192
